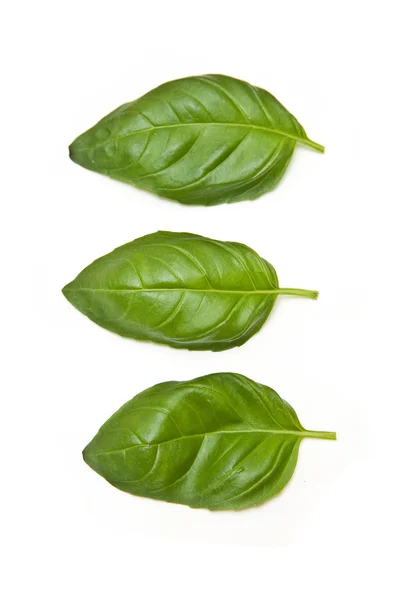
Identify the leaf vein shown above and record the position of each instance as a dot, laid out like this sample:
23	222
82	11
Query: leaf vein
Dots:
236	465
173	164
263	477
173	314
231	98
190	257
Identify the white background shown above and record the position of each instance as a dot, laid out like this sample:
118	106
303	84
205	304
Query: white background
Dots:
332	224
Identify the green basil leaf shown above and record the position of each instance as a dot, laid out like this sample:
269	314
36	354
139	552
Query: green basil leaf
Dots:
180	289
198	140
220	442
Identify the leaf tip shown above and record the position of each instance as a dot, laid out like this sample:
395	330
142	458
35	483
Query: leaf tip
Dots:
65	291
85	454
76	152
71	152
88	457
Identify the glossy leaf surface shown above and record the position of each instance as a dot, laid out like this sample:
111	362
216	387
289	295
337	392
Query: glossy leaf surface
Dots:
180	289
198	140
220	442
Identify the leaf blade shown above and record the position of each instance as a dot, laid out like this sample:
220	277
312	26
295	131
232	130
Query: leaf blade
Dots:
179	289
198	140
236	455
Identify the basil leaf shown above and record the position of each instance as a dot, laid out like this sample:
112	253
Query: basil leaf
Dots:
220	442
198	140
180	289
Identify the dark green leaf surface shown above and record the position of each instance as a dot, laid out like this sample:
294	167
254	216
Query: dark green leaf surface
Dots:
180	289
220	442
199	140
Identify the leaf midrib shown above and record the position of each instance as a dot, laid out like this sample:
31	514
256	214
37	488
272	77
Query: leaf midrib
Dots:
305	140
199	290
302	434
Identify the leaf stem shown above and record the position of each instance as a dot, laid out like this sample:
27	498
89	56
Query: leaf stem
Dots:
297	292
323	435
313	145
